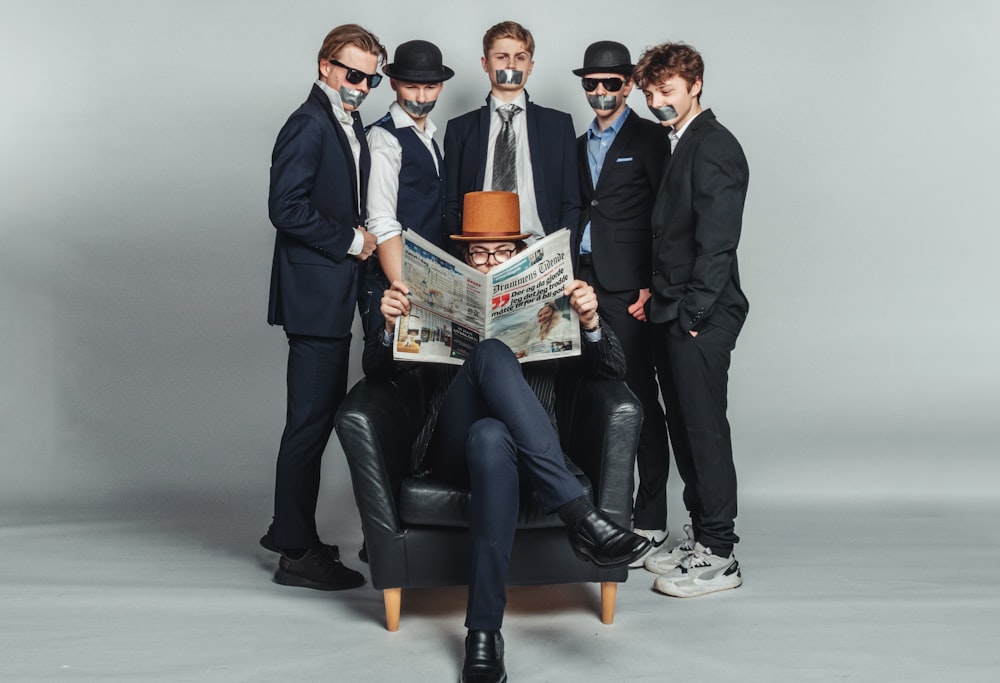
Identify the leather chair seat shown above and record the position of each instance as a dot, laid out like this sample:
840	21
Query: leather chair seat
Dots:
426	501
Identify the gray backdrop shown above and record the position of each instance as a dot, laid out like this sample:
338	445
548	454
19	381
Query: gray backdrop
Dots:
135	139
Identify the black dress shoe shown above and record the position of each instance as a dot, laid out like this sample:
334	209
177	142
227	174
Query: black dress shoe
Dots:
267	543
484	658
596	538
318	569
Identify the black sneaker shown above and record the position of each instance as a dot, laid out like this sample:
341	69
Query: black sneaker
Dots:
318	569
267	543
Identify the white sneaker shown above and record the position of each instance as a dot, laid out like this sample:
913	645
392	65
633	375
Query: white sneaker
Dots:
658	540
700	573
668	558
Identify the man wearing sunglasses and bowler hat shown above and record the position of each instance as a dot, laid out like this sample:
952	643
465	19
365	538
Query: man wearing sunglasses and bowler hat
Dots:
319	171
406	187
621	159
513	144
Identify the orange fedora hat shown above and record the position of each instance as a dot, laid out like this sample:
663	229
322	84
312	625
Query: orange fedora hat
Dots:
491	217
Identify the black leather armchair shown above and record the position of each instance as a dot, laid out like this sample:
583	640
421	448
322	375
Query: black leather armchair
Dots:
416	528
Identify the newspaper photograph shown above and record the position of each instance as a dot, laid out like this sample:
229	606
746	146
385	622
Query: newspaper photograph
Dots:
453	306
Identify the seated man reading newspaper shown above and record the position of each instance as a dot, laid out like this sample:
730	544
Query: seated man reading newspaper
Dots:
491	420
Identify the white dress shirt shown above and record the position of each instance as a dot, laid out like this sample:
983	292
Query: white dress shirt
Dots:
346	122
530	221
387	159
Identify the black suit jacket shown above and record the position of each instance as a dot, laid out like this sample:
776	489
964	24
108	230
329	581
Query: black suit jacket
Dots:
553	159
313	204
696	228
620	207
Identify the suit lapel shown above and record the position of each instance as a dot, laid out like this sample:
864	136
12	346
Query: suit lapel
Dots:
483	144
583	154
686	142
622	141
345	145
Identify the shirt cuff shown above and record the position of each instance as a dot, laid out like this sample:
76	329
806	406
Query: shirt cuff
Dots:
386	338
593	336
357	244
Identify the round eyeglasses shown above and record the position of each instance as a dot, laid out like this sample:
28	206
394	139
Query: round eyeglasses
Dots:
481	258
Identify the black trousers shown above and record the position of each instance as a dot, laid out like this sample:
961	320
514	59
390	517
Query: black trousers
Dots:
492	429
317	383
653	455
694	379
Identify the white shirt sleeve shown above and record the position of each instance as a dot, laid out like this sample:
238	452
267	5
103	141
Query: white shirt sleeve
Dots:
383	184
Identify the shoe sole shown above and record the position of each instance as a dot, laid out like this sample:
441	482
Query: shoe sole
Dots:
584	554
684	590
267	543
285	579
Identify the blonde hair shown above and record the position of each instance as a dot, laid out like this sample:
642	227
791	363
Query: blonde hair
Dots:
353	35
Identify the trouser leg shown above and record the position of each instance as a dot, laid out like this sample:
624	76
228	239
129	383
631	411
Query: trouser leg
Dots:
653	453
696	389
317	382
373	286
493	480
490	384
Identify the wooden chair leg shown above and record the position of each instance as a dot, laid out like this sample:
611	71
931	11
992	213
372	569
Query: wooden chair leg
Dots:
392	597
609	592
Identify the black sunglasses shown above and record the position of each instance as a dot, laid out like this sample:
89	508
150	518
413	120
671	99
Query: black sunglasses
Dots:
610	84
354	76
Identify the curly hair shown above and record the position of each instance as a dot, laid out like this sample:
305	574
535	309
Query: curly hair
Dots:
664	61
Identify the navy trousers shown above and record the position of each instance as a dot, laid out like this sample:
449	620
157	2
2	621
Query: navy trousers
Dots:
317	383
490	430
653	455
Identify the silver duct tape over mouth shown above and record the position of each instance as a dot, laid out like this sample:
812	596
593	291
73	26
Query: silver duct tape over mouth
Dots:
602	102
666	113
352	97
418	108
512	76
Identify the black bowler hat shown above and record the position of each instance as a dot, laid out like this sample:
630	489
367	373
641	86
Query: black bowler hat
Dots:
606	56
418	61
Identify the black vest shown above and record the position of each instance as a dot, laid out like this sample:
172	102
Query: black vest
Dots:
420	200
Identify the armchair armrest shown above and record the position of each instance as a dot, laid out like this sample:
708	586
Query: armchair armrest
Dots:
372	427
604	423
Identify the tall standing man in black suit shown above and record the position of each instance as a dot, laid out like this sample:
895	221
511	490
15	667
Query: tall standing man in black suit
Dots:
697	308
319	171
621	158
513	144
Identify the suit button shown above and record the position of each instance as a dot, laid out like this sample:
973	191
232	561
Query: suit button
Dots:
656	235
656	272
594	202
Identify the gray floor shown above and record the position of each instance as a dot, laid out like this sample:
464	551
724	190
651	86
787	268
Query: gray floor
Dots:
847	590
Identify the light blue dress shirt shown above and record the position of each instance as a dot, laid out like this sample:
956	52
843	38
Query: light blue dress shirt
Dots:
598	143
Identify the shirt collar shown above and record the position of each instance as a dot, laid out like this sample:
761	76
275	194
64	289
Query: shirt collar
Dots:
521	101
335	102
402	120
678	133
595	131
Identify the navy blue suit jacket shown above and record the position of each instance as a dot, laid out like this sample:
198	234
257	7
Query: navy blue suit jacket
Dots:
313	204
552	142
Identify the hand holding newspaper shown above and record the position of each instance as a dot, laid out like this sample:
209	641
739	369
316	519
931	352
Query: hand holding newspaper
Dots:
520	302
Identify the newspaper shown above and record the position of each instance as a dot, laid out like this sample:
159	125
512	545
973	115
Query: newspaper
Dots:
453	306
